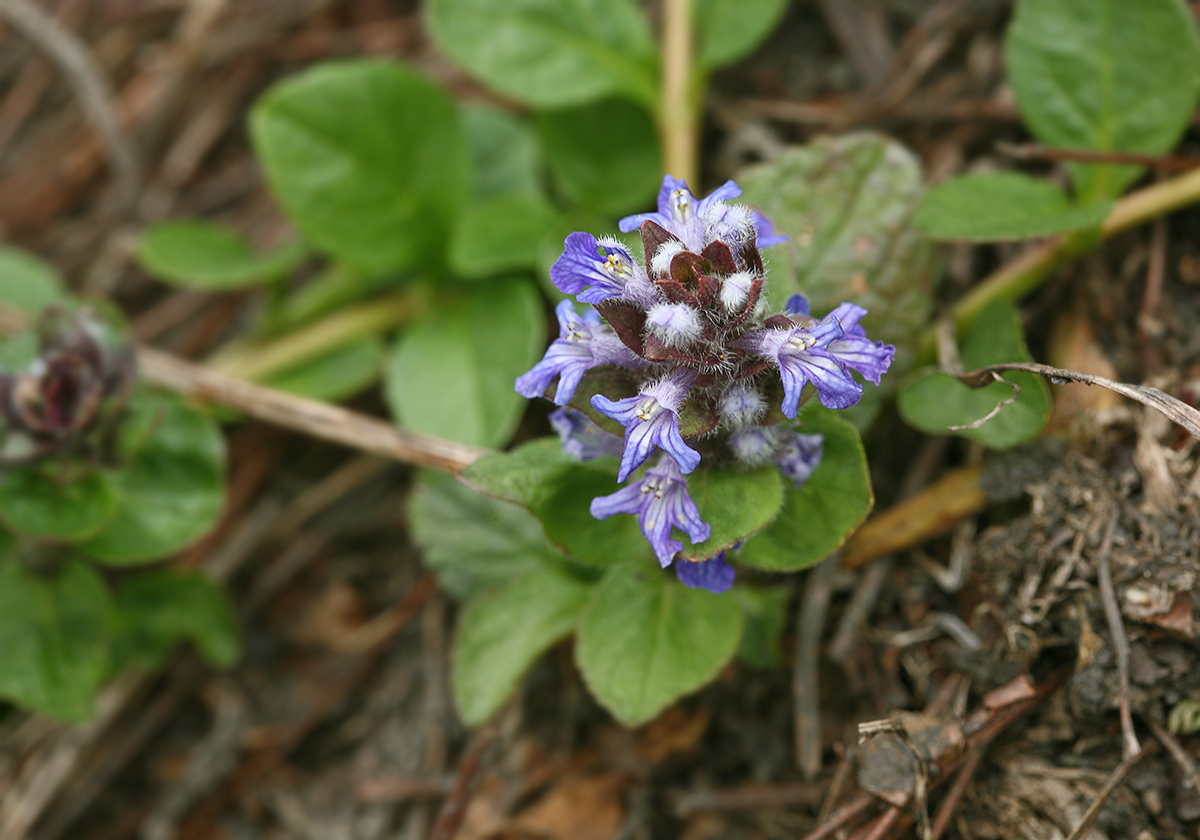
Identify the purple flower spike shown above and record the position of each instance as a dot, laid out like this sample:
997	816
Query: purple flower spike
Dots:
713	574
855	350
799	456
803	356
598	269
651	419
582	439
661	502
583	343
680	213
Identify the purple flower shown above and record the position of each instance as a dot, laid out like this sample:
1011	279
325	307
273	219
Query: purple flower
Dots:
799	456
803	356
766	231
583	343
855	350
680	213
598	269
661	502
652	419
713	574
582	439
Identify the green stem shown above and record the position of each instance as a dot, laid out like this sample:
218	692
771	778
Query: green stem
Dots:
678	118
258	361
1024	274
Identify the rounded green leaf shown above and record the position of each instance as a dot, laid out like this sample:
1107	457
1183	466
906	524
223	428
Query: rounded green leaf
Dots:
471	540
54	634
502	633
994	206
158	609
548	53
452	374
728	29
500	234
646	640
559	492
1105	75
203	255
935	401
34	504
817	517
173	490
504	150
846	204
368	158
28	283
736	505
604	155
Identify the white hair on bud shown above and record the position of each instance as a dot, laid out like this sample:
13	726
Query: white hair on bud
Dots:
735	289
732	224
741	404
674	324
755	445
660	263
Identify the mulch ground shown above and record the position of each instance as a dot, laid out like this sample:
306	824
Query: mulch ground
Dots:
1017	674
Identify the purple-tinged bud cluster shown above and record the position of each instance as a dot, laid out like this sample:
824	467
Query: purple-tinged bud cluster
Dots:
68	400
681	353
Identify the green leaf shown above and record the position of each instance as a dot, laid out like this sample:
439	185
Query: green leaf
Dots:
505	152
172	492
471	540
500	234
452	374
993	206
503	632
559	491
817	517
158	609
28	283
368	158
735	504
765	613
604	155
646	640
1105	75
729	29
937	400
847	203
547	53
36	505
54	638
203	255
337	374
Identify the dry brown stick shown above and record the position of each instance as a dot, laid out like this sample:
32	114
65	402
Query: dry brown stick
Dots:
805	684
455	807
1110	784
1116	629
1186	763
841	816
946	807
1032	151
88	82
310	417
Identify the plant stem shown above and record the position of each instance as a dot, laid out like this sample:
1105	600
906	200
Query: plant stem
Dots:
258	361
678	119
1024	274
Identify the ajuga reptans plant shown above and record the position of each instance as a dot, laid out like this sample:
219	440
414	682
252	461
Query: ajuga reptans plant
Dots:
680	350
